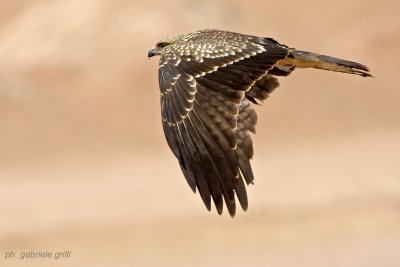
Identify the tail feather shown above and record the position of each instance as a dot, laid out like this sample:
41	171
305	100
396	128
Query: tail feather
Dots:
304	59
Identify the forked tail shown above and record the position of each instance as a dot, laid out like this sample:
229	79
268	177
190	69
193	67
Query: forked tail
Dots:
304	59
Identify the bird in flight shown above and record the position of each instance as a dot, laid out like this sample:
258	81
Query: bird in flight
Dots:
209	81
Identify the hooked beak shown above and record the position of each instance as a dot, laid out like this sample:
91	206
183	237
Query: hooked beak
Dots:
151	53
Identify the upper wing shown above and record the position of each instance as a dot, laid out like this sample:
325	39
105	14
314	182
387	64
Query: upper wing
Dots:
205	120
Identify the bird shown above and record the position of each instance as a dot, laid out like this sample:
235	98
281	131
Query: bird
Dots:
209	82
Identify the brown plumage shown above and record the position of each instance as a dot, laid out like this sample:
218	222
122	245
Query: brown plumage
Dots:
209	80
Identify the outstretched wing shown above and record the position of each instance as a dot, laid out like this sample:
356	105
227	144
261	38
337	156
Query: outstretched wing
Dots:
205	115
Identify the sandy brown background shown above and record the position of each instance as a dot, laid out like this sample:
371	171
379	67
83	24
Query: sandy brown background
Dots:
84	165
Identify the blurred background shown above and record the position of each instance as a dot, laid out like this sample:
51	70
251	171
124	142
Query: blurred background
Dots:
84	166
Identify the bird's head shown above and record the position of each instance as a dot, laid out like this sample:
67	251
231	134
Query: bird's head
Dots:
163	44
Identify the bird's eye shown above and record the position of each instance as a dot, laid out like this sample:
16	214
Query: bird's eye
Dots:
161	45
